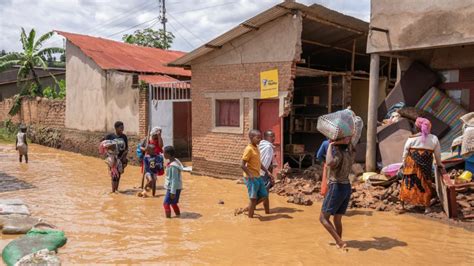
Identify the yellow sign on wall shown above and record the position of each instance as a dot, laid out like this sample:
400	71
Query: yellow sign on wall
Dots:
269	84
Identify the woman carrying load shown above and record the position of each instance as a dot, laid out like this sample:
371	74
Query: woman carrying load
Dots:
417	167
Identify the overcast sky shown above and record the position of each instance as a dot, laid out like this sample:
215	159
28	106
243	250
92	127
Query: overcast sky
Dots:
193	22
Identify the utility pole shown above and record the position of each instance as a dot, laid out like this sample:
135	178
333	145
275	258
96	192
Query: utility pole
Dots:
162	17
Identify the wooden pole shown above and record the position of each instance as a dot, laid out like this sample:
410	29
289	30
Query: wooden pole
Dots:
353	56
330	93
389	74
370	156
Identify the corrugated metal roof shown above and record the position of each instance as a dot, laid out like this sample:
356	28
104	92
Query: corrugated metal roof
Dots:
155	79
319	12
115	55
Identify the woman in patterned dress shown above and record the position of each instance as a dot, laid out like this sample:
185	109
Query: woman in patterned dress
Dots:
417	168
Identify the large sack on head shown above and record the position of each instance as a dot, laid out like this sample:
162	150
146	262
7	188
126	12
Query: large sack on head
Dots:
467	147
337	125
35	240
358	126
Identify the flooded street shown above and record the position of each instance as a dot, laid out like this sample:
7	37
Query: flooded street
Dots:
72	192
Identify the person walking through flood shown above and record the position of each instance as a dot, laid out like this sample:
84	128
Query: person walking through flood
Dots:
251	165
21	144
267	152
173	182
417	169
155	139
121	141
339	159
153	164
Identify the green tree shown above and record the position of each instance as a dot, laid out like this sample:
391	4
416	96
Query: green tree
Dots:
150	38
33	55
2	53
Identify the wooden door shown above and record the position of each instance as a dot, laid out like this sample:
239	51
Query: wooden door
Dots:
182	128
268	119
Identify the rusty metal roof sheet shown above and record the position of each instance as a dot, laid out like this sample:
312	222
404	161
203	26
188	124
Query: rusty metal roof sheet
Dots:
316	12
155	79
115	55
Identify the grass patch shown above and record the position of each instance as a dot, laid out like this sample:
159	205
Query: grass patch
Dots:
6	136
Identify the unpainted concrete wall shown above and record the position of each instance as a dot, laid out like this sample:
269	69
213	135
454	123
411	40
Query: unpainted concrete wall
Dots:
420	24
122	101
85	92
96	98
276	41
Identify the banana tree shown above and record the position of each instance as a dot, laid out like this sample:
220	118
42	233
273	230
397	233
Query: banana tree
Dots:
33	55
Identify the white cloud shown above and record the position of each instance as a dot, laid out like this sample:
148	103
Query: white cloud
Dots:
193	22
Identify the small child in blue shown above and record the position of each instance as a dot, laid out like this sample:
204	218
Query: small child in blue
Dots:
173	183
153	165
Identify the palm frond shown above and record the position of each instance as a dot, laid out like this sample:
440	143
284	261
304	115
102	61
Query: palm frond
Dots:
11	56
23	71
40	62
44	37
24	39
31	40
50	51
7	64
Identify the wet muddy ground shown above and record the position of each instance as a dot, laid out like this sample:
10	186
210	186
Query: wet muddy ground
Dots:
72	192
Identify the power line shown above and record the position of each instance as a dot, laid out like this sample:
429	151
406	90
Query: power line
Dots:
186	11
184	27
182	37
128	13
132	27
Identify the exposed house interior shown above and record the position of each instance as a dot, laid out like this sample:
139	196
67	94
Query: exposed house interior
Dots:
333	74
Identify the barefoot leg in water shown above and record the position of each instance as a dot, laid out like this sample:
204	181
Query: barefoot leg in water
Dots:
324	219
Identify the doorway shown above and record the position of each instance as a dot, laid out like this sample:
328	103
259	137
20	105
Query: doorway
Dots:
268	119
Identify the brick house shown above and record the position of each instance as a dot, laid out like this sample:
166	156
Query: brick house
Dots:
320	58
103	83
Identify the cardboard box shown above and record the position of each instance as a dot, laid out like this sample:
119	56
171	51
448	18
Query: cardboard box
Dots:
311	100
294	148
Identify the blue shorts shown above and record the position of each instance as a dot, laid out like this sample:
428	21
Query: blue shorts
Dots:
337	199
256	187
168	199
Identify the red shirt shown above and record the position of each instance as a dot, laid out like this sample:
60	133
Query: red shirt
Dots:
158	148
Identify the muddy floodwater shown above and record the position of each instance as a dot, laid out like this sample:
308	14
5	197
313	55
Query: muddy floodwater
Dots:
71	191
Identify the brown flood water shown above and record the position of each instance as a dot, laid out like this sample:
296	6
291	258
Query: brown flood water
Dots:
72	193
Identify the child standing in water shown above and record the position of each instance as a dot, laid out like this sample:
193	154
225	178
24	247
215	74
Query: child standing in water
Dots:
153	164
173	182
339	160
21	144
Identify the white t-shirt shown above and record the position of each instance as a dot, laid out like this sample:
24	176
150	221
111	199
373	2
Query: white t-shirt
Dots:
266	154
20	137
431	143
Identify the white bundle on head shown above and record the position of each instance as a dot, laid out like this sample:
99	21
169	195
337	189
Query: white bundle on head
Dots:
154	131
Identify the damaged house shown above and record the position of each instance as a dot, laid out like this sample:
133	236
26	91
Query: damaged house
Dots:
318	60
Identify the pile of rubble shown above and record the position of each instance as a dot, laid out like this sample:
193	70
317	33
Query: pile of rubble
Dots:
375	197
300	187
466	204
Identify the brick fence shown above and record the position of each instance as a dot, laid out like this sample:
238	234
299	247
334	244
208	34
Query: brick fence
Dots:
36	111
45	119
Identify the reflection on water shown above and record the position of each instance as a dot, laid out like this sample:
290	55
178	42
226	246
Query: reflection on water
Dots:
71	191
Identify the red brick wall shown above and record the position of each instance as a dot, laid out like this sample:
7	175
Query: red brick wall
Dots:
219	154
36	111
143	112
